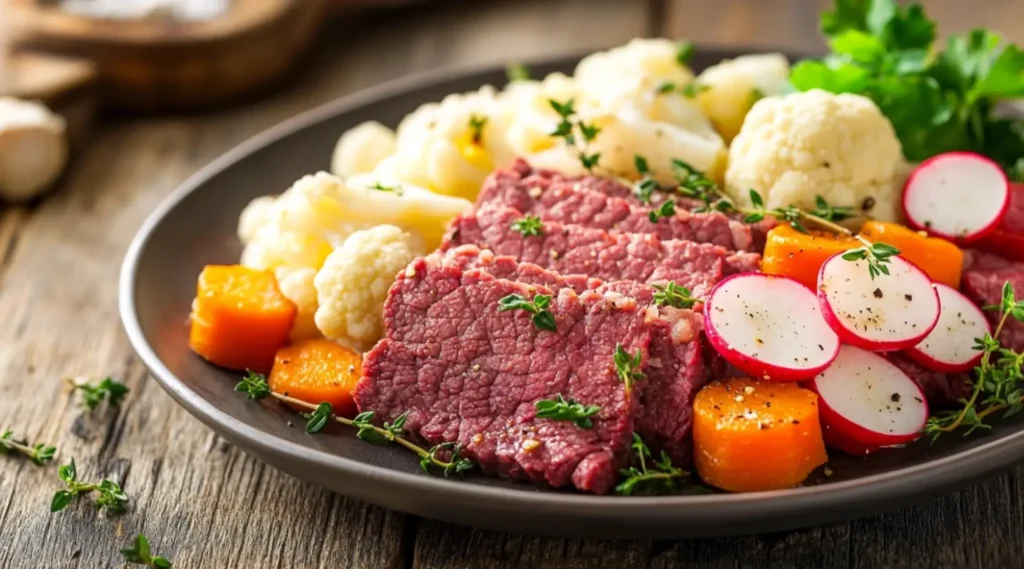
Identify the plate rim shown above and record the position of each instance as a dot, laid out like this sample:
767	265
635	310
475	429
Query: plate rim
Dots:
893	487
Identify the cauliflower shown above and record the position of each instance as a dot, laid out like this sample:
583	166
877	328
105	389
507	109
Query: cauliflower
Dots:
437	149
734	85
642	62
793	148
254	217
293	234
527	120
621	93
354	281
361	148
297	285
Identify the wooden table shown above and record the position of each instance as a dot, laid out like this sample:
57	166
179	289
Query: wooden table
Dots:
204	503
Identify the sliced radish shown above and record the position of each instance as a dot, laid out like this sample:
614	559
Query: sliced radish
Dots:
956	195
769	326
887	312
949	346
867	403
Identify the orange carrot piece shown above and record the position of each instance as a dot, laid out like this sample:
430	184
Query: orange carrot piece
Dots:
318	371
752	435
239	317
791	253
940	259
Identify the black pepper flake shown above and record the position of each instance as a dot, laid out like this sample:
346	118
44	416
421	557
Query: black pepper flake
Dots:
795	422
908	297
878	293
895	397
868	203
820	347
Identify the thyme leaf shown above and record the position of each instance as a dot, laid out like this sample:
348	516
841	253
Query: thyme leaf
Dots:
542	317
561	409
365	429
139	554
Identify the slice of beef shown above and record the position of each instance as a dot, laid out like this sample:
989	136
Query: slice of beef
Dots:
603	204
676	370
983	284
939	388
469	373
578	250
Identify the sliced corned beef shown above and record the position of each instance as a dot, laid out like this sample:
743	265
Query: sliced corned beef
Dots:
469	373
676	370
578	250
983	278
939	388
603	204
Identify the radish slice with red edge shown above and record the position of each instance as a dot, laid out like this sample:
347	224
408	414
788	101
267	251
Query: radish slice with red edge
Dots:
867	403
887	312
769	326
960	196
949	347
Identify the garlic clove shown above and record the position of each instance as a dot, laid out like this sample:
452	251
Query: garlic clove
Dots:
33	149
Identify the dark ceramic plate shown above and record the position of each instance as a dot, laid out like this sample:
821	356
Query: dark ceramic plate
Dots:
196	226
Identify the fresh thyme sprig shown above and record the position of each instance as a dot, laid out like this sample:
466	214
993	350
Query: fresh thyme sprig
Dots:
649	476
674	295
139	554
690	90
877	256
476	128
110	496
627	366
317	420
529	226
645	187
92	395
395	189
997	382
666	209
695	184
576	132
560	409
542	317
255	386
38	453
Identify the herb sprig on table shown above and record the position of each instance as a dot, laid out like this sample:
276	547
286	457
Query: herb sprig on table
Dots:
445	456
937	99
109	493
997	381
38	453
139	554
92	395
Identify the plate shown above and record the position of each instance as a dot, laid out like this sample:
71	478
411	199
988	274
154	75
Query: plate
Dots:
196	226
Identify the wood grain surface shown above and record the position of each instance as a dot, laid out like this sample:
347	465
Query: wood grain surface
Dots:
204	503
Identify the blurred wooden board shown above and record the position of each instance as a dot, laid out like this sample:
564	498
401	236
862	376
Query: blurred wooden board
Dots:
159	62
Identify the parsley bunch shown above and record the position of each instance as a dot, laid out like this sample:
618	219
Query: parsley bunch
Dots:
938	100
